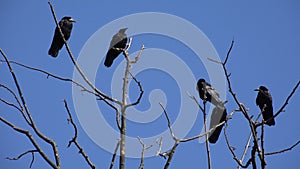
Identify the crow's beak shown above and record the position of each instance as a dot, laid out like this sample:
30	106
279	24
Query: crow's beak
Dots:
72	20
123	30
256	90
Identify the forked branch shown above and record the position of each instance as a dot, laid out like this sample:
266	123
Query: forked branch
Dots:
74	139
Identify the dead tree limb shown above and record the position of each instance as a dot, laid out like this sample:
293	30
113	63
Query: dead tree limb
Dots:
112	163
32	140
206	136
75	63
21	155
74	139
144	148
284	150
240	105
31	121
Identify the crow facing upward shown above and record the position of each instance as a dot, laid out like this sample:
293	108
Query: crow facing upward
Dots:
207	92
66	24
119	40
264	101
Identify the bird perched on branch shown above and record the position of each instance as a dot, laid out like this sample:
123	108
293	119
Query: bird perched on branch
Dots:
264	101
207	92
117	44
66	24
218	116
219	113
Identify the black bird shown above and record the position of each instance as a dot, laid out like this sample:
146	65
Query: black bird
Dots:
264	101
218	116
66	24
119	41
207	92
219	113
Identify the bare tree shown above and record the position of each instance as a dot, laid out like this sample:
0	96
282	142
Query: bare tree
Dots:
258	152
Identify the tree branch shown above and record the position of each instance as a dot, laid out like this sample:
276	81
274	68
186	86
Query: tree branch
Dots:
206	136
21	155
32	140
241	106
231	149
170	155
169	123
263	161
144	148
138	55
248	141
12	105
74	139
229	51
123	109
284	150
32	124
196	101
114	155
75	63
141	92
19	107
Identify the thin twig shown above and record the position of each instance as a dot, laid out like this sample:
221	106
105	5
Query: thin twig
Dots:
262	144
284	150
196	101
144	148
74	139
32	124
141	166
169	123
141	92
32	140
15	96
138	55
53	75
248	141
159	147
21	155
12	105
206	136
112	163
209	131
231	149
229	51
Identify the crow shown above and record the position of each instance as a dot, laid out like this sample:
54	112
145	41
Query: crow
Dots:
66	24
218	116
117	44
264	101
208	93
219	113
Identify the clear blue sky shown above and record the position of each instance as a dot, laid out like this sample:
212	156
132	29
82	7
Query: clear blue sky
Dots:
266	52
